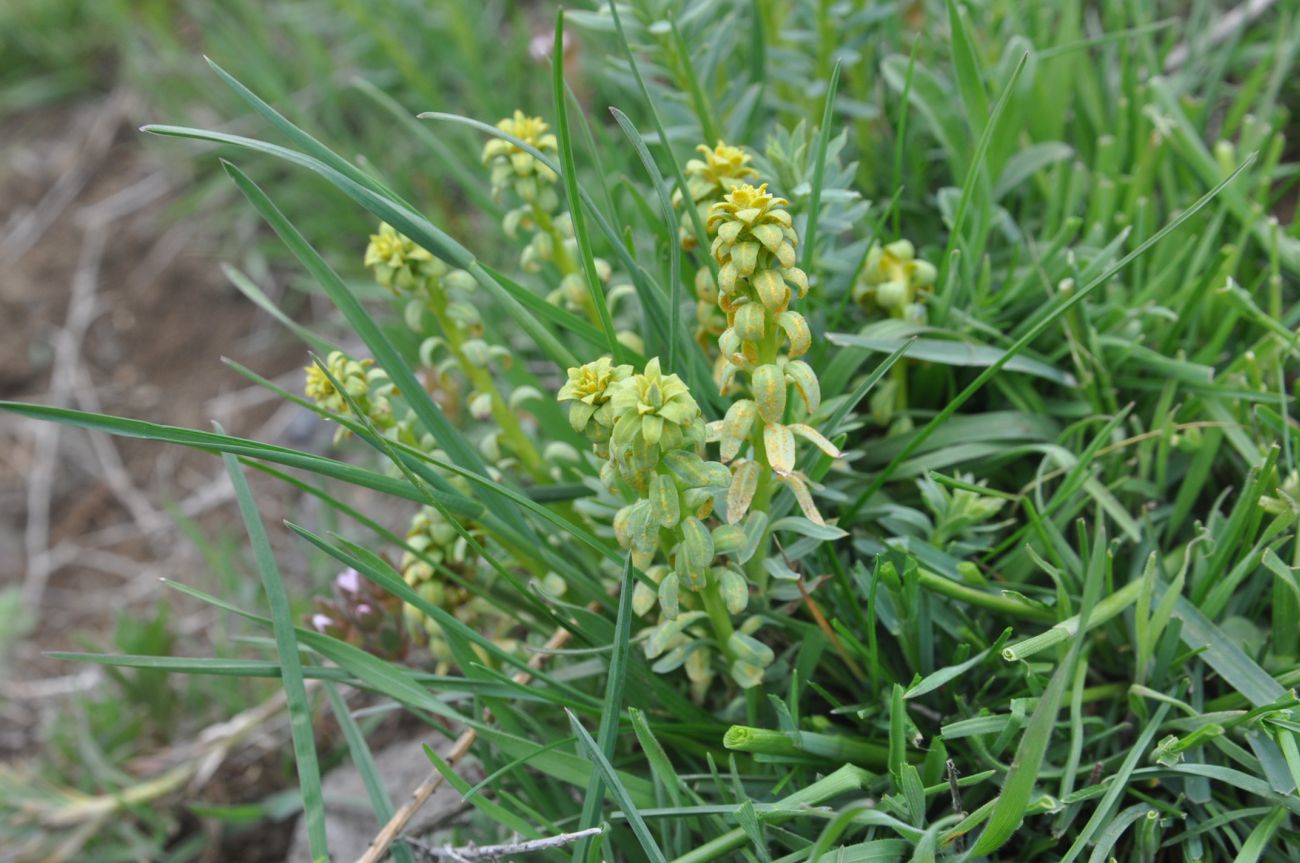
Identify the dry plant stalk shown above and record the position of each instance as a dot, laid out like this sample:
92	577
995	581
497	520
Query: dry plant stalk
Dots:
380	844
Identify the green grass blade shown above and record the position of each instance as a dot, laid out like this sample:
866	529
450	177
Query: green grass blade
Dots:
570	175
606	770
244	448
809	262
1116	785
249	288
430	415
298	136
380	802
295	691
670	219
966	70
1032	333
1009	810
399	216
701	235
612	708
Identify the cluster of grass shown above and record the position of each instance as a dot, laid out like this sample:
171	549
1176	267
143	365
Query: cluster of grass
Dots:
1053	607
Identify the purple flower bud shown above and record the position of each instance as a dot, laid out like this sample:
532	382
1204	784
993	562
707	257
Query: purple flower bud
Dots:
348	582
322	622
367	616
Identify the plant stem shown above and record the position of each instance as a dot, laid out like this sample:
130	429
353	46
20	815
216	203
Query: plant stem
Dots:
512	431
1066	629
768	350
767	741
563	262
848	778
719	617
993	602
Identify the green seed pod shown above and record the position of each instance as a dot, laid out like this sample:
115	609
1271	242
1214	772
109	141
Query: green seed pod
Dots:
643	599
695	552
687	467
668	595
746	648
644	529
734	590
796	330
719	476
671	661
803	497
785	256
669	634
744	482
796	277
892	295
727	275
665	502
751	322
736	426
770	235
729	345
698	501
772	290
642	559
805	383
778	440
413	315
745	257
746	674
728	538
769	386
727	234
817	439
662	638
697	665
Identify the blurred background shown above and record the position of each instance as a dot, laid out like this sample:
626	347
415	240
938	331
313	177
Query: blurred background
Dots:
117	253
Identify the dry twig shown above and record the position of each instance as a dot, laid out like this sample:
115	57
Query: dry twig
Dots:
466	853
379	845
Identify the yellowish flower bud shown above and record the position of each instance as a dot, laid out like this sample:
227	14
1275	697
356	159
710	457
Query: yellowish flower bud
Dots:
778	441
744	483
736	426
769	386
398	263
515	168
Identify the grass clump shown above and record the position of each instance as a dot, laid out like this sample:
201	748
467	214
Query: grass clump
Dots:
1031	589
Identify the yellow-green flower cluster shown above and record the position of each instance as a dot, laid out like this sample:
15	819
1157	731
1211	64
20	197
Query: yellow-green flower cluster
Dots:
549	230
590	388
437	295
514	168
368	387
754	245
435	546
398	263
719	170
895	281
650	432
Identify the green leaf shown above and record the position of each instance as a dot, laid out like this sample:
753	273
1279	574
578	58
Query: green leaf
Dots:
295	691
950	353
612	708
1013	800
376	791
809	262
620	792
595	290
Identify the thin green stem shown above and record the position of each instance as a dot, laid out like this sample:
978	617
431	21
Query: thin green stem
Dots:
512	431
719	617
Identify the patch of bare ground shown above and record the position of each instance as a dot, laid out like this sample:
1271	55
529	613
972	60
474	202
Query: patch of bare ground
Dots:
109	304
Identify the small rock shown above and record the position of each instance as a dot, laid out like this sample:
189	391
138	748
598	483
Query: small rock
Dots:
350	823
